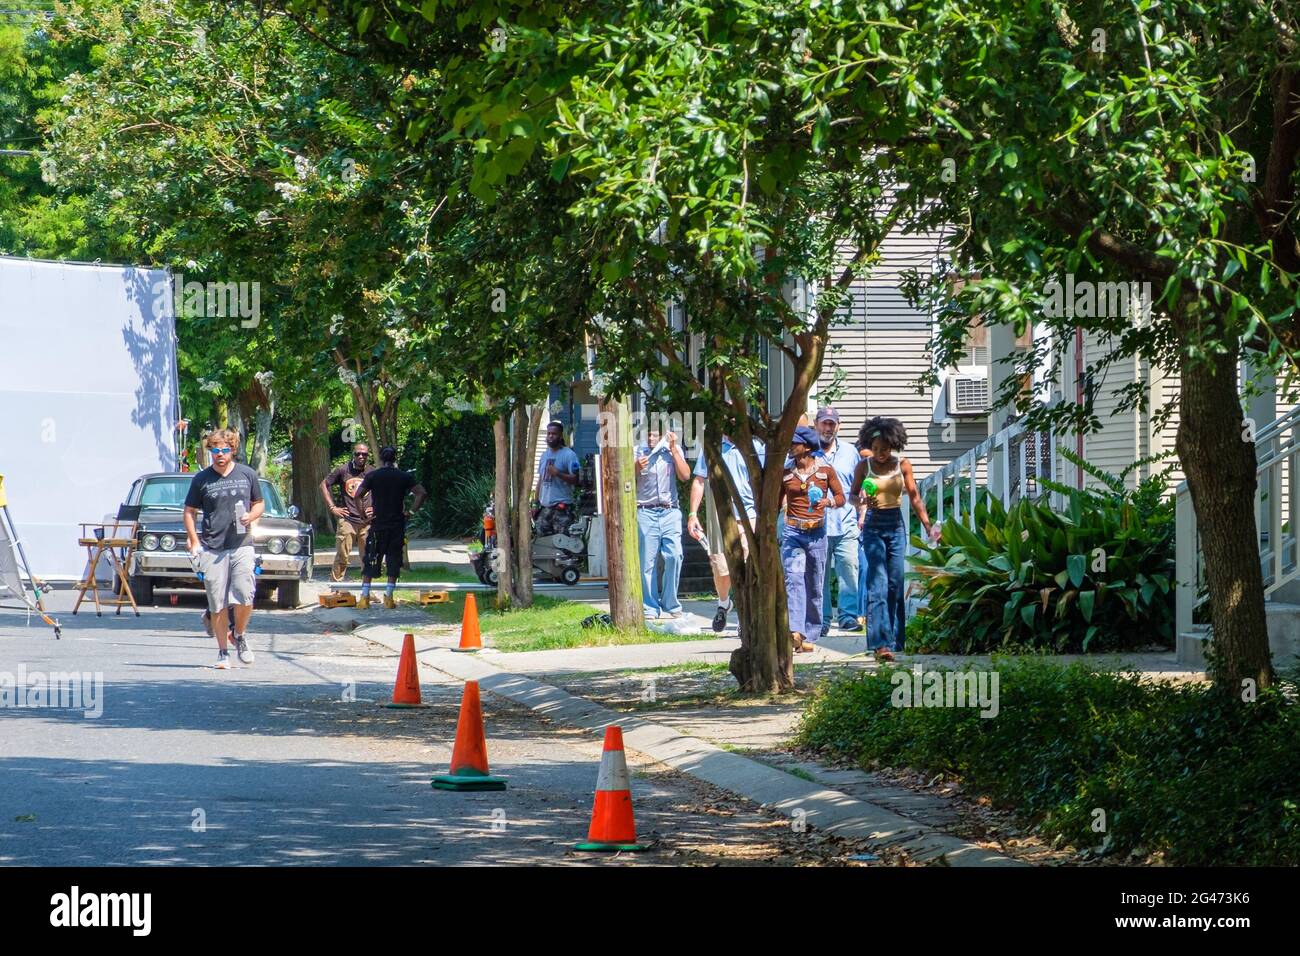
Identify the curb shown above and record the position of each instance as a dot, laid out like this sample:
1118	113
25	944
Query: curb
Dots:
829	810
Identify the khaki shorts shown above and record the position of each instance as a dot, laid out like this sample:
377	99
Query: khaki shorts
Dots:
228	577
718	562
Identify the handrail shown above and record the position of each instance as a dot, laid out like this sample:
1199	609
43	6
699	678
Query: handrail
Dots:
1277	446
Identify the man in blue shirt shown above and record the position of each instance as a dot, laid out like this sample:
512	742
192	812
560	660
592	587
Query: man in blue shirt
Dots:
557	475
659	466
735	462
841	524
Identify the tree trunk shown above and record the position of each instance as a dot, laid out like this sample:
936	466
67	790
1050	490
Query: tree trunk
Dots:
764	662
1220	466
621	545
310	463
516	443
502	512
262	438
236	415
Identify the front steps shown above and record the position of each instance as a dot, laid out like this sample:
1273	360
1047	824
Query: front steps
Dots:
1283	637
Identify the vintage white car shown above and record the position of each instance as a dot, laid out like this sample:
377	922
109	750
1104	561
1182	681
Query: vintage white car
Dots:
283	544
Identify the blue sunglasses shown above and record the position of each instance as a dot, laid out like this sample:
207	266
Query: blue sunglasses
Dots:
220	451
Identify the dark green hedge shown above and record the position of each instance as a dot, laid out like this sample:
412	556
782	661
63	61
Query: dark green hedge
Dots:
1175	767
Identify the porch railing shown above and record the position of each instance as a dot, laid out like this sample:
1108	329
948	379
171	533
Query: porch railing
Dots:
1277	518
1010	464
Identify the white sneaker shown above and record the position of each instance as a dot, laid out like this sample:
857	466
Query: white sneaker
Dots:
245	655
223	660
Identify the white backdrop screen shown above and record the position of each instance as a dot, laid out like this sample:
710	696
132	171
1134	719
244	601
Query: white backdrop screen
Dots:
87	397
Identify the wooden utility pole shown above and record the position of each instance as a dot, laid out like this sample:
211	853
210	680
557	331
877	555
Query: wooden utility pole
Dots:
618	481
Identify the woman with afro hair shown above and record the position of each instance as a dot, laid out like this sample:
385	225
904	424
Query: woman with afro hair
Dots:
879	482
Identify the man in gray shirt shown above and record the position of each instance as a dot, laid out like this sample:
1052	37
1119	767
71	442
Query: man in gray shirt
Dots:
229	496
659	466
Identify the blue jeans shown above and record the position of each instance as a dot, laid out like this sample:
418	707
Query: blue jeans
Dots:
884	547
803	556
659	531
842	551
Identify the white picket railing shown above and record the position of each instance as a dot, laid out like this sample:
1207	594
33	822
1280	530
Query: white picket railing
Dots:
1010	465
1277	518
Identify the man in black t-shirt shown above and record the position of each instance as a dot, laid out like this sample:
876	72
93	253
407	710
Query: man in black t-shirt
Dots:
354	513
230	496
388	487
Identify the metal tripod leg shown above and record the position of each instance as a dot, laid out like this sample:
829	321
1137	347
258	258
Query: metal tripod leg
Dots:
22	556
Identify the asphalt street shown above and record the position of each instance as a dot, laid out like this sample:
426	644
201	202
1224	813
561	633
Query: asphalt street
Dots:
292	760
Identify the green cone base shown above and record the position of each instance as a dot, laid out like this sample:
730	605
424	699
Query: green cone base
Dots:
469	781
466	650
391	706
612	847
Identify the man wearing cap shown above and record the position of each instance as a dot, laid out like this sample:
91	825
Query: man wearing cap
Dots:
659	466
841	525
810	489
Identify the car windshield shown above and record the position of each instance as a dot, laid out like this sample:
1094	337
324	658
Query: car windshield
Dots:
169	493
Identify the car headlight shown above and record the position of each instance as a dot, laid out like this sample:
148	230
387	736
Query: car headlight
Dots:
275	545
293	545
168	542
150	542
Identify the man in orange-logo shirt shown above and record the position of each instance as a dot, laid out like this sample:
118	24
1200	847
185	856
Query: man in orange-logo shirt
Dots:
354	515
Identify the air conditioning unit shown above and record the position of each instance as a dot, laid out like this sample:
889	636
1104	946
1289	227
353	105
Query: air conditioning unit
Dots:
968	395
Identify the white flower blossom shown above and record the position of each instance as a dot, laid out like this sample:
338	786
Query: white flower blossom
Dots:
347	376
288	190
228	207
336	323
303	166
264	217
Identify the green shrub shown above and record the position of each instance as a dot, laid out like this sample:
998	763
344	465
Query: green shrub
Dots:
1034	577
459	512
1176	768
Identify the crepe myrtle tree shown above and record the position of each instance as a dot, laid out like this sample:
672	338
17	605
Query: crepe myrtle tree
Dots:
732	157
506	293
1123	143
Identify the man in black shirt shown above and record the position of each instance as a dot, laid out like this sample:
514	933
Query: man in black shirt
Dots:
388	487
230	497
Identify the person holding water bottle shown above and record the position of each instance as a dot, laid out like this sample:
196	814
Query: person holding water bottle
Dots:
230	497
809	490
879	482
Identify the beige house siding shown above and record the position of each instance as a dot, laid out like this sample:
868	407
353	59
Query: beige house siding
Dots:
882	344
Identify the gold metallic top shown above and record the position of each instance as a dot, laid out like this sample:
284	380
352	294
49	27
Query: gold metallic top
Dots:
889	487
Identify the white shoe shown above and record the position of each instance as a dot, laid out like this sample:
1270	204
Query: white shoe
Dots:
245	655
223	660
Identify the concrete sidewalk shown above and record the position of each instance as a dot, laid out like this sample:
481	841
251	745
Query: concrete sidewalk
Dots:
806	802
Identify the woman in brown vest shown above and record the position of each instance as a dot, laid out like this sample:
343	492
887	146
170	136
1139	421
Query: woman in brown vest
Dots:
808	487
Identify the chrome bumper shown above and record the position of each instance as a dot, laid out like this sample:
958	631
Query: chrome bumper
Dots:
176	564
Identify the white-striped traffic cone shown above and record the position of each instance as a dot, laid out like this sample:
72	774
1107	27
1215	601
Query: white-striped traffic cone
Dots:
612	827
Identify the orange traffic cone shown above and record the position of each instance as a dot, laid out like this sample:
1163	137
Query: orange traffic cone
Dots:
406	690
612	827
469	762
469	636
